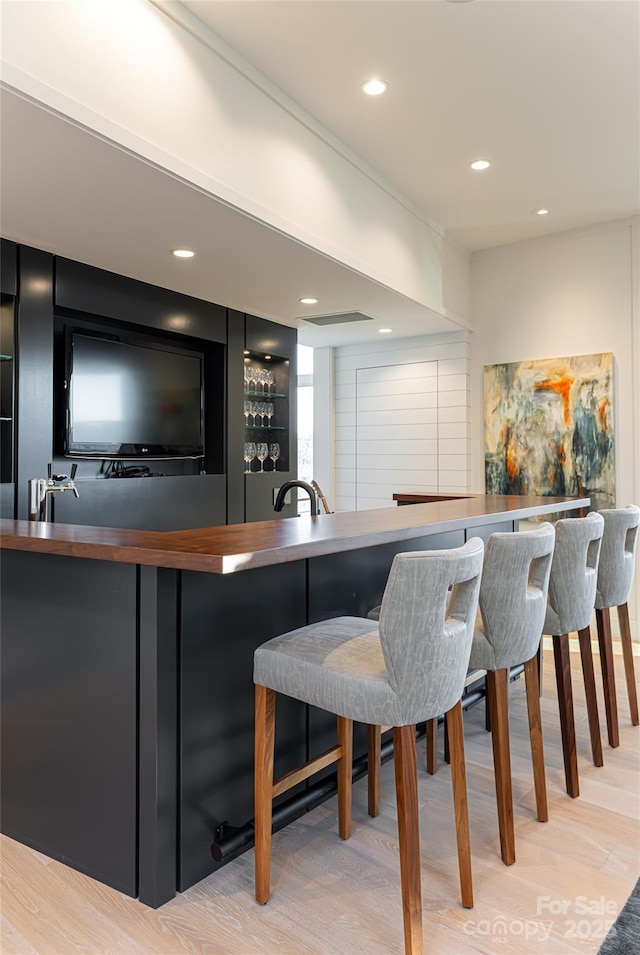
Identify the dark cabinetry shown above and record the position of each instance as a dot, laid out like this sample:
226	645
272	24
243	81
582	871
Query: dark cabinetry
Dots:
8	291
7	386
69	671
44	297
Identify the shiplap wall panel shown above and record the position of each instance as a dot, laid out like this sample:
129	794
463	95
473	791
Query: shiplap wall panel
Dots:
402	419
410	431
412	416
389	373
384	476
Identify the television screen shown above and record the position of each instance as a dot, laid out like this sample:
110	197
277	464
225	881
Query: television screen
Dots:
127	399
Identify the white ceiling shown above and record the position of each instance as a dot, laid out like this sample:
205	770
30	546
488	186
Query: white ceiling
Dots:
547	90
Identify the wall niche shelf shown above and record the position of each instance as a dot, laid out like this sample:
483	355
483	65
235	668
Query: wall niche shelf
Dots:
266	427
266	395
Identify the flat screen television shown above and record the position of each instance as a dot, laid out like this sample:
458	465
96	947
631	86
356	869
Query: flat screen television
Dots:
127	399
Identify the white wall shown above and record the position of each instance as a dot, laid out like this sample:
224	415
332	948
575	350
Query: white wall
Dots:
565	294
401	418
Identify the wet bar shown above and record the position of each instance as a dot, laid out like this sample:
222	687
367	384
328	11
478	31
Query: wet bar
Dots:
127	724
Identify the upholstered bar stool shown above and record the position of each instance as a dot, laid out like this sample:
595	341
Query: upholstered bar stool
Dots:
473	676
408	667
572	594
513	600
615	576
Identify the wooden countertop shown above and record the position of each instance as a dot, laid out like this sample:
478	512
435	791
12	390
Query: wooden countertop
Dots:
234	547
429	497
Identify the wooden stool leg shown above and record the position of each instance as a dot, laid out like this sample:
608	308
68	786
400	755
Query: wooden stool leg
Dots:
498	701
459	783
404	745
565	704
586	656
627	653
374	737
603	620
539	665
264	746
432	746
345	765
488	686
535	737
447	754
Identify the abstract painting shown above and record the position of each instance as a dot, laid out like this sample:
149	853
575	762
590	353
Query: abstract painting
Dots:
549	428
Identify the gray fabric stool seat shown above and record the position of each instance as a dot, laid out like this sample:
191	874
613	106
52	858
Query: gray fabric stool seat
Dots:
572	593
513	598
405	669
615	576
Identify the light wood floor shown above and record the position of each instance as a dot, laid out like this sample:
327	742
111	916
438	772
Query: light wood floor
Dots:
343	898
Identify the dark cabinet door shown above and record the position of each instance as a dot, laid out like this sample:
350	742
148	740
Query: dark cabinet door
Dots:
69	712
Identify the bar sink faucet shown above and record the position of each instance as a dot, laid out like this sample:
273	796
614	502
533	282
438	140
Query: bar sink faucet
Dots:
42	489
287	487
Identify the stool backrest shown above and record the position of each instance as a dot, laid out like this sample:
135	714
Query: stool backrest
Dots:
513	594
426	628
574	571
617	558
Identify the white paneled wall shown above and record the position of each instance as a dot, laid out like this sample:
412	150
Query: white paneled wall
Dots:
401	419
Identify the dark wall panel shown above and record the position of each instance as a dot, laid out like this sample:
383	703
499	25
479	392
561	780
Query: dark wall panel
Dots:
260	495
265	336
34	370
69	675
224	619
98	292
235	417
8	270
155	504
7	499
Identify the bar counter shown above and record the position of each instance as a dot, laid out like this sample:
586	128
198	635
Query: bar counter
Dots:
227	549
127	665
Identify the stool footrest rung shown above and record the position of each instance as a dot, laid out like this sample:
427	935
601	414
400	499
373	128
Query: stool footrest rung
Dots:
295	776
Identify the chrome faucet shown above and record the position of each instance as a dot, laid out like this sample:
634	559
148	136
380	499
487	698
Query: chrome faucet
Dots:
41	490
287	487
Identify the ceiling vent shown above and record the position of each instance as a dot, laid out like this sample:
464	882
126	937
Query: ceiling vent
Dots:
341	318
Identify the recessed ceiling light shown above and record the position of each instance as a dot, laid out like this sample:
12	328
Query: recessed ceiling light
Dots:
246	352
267	357
480	164
309	301
385	331
183	253
374	87
541	212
